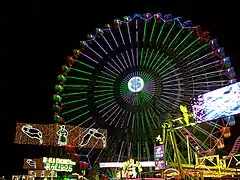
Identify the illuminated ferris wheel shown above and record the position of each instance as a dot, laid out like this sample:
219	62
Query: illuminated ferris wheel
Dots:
131	77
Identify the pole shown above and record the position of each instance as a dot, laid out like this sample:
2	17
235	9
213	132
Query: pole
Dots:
164	135
188	150
176	151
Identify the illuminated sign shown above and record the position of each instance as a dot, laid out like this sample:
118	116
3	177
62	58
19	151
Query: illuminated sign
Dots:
120	164
58	164
33	163
159	157
60	135
135	84
216	104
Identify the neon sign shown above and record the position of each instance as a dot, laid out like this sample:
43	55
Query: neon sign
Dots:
58	164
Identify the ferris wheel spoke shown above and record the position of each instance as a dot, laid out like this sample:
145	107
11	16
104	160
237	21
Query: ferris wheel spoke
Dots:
162	106
81	108
137	41
80	62
169	32
73	94
212	73
74	101
112	50
115	62
133	122
98	55
182	42
121	118
130	40
173	94
199	58
153	60
174	39
162	67
173	80
122	56
192	53
109	70
128	121
141	57
189	46
98	157
160	32
174	71
148	115
147	120
149	59
81	71
106	78
104	101
102	35
173	85
172	76
210	77
210	83
120	62
105	51
145	57
117	109
89	57
77	117
205	66
175	100
126	51
153	30
75	127
115	69
109	110
109	75
165	98
106	107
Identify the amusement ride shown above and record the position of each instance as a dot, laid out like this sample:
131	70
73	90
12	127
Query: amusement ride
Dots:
137	78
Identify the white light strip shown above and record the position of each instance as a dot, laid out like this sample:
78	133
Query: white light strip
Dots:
120	164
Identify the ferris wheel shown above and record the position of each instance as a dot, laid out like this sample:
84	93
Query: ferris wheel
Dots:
132	76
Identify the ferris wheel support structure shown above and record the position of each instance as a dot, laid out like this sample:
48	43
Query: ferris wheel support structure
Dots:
168	132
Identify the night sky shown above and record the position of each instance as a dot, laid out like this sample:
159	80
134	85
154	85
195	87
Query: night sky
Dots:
37	37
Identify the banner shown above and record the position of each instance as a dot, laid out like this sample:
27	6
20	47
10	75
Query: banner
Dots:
159	157
60	135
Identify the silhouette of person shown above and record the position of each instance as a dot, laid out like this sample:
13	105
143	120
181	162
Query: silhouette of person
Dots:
62	136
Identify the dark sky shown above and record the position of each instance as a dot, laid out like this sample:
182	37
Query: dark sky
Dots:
37	36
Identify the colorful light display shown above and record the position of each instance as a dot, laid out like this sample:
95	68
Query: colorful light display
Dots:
136	69
60	135
57	164
216	104
160	158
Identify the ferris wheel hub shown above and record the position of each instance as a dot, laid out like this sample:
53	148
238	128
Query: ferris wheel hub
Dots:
135	84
